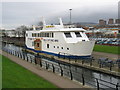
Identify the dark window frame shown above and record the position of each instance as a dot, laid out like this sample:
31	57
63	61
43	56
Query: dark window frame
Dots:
68	34
78	34
48	46
68	48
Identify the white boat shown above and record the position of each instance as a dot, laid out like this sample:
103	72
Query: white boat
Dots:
59	41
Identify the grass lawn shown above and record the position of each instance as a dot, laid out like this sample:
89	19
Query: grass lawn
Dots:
107	49
0	72
15	76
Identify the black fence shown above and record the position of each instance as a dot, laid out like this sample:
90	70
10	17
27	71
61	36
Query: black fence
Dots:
65	70
102	62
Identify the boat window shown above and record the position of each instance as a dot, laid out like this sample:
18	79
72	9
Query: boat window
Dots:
32	34
43	34
47	45
38	34
35	34
47	34
78	34
67	48
67	34
37	44
52	35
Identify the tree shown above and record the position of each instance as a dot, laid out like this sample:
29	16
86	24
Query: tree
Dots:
40	23
21	30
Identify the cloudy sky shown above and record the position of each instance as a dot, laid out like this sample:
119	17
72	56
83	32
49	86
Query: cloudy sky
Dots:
28	12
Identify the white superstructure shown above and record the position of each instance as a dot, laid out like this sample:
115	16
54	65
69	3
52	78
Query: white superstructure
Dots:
57	40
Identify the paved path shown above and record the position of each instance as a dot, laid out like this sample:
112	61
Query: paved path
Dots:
59	81
106	55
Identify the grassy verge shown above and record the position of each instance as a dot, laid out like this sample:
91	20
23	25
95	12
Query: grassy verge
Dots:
0	72
15	76
107	49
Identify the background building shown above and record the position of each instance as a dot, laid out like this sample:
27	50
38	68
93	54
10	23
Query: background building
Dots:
117	21
111	21
102	22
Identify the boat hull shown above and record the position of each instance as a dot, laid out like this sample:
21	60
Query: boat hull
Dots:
59	55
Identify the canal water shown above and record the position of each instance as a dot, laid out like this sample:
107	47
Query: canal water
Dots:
90	77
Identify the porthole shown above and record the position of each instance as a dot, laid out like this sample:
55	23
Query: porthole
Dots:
67	48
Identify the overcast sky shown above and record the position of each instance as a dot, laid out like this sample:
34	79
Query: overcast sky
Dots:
24	12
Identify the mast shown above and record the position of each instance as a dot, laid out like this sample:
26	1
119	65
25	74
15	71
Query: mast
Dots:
44	23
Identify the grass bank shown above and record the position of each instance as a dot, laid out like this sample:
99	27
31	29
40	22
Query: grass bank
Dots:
0	72
15	76
107	49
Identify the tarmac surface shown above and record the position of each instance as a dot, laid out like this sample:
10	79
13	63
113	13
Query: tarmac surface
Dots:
56	79
98	55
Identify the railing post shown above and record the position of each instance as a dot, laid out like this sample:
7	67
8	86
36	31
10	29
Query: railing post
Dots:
71	74
40	62
117	86
61	72
35	60
69	59
75	60
27	58
59	55
46	65
53	68
15	53
83	80
23	56
82	61
97	84
31	60
91	62
100	65
110	66
11	51
20	55
64	55
61	69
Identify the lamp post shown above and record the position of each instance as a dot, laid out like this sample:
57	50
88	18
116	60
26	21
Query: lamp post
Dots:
70	15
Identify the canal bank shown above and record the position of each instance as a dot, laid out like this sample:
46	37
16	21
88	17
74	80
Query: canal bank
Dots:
59	81
73	72
89	65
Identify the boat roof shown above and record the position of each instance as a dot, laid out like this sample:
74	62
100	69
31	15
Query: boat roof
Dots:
60	30
57	28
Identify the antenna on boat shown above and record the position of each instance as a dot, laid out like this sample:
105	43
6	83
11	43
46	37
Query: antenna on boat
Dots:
33	27
61	23
43	20
44	23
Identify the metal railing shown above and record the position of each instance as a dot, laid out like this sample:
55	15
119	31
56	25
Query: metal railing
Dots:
65	70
